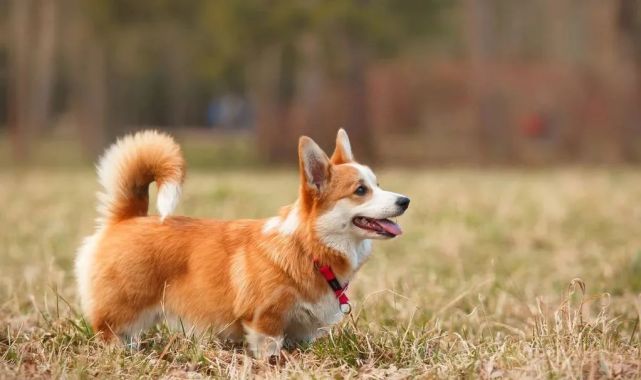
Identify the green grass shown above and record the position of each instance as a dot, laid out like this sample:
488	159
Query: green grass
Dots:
499	273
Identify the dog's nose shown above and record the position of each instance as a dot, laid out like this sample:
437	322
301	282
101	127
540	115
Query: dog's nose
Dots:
403	202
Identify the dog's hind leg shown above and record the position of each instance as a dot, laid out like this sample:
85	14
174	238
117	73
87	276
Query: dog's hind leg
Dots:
125	322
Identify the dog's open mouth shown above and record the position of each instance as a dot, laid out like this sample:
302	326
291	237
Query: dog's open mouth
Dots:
383	227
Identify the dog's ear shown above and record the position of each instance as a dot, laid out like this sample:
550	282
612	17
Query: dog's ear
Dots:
314	164
343	151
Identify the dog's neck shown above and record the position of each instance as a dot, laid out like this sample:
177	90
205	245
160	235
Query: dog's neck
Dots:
344	253
341	246
355	251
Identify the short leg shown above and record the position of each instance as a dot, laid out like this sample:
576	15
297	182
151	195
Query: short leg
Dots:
261	344
265	331
122	321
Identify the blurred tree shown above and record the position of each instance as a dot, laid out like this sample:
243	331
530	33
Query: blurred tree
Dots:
89	97
291	47
160	62
362	31
31	67
146	49
629	23
493	132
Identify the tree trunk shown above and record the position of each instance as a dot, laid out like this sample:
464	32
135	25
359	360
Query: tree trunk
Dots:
310	89
31	71
19	77
492	135
272	93
359	124
629	23
89	82
44	67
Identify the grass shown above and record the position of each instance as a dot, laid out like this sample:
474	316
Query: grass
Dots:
499	274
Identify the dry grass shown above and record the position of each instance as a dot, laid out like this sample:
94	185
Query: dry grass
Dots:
482	284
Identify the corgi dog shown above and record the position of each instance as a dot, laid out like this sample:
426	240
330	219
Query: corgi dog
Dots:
264	280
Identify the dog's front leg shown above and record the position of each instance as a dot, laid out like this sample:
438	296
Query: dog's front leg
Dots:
264	339
265	331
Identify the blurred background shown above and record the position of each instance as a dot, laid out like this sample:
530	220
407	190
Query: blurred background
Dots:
422	82
518	273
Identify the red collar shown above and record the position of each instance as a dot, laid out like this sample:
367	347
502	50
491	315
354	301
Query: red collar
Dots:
327	272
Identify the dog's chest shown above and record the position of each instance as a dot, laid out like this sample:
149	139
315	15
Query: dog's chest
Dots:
307	318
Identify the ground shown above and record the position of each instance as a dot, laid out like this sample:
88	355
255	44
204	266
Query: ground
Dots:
499	273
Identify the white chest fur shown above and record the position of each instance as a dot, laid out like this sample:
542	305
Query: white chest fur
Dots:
309	320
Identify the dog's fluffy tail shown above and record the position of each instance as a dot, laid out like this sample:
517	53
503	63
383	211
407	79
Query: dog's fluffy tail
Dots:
129	166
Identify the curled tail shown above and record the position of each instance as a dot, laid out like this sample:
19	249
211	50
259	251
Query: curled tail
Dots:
129	166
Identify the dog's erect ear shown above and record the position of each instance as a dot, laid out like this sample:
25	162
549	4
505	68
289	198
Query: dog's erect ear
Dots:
343	152
314	164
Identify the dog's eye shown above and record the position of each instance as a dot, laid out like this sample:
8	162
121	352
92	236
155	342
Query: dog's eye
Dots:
361	190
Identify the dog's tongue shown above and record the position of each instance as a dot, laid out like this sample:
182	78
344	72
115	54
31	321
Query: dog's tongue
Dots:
389	226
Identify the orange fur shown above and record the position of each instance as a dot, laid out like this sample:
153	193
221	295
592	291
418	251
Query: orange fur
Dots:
236	277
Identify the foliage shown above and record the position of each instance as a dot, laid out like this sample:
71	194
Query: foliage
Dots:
222	38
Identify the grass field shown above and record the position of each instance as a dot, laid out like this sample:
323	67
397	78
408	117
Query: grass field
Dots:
499	274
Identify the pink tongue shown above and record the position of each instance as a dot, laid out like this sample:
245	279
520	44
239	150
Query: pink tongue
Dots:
389	226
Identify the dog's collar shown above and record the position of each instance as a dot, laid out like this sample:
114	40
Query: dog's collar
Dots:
327	273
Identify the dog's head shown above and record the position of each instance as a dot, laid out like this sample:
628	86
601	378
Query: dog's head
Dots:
343	197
